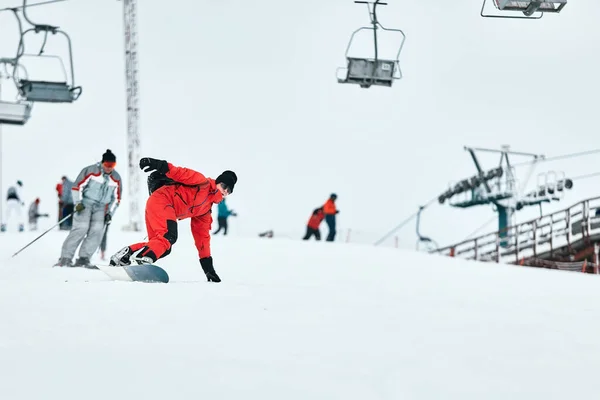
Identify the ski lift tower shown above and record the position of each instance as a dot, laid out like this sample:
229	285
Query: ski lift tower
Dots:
367	71
500	187
531	9
133	134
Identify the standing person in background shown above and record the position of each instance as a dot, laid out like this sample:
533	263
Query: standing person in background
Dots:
34	214
66	203
97	195
14	205
59	188
330	210
222	214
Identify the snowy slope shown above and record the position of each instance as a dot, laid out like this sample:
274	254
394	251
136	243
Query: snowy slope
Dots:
294	320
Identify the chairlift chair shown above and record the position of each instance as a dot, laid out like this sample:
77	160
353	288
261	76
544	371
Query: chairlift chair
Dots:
366	71
529	8
13	113
43	90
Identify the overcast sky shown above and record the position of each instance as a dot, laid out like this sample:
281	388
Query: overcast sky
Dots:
251	86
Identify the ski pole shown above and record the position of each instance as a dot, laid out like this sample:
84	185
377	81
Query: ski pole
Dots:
54	226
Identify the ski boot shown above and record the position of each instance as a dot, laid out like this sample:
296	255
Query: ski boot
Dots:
3	228
64	262
21	228
85	263
144	256
121	257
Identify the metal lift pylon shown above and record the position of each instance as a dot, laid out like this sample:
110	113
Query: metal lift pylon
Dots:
498	187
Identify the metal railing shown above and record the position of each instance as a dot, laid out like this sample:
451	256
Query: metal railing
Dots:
549	236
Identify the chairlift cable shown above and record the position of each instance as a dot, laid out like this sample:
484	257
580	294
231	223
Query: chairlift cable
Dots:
585	176
560	157
32	5
476	231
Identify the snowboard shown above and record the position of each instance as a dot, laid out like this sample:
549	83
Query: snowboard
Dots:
149	273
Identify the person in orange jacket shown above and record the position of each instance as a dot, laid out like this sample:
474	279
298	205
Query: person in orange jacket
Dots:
330	211
183	193
312	227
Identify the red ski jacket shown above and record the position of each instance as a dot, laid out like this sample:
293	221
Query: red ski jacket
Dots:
192	197
316	218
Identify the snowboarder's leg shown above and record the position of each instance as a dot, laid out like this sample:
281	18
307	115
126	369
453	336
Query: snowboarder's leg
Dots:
161	224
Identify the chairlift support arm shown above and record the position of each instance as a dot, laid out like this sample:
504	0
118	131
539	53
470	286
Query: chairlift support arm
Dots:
479	169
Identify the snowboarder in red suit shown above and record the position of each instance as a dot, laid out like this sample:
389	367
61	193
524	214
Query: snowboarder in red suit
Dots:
187	194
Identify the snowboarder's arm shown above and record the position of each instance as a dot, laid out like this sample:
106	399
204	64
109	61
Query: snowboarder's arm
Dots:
201	232
185	175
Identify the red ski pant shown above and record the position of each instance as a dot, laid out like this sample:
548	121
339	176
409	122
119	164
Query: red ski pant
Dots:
161	224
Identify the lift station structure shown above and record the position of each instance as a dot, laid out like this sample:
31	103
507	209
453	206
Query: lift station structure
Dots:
500	188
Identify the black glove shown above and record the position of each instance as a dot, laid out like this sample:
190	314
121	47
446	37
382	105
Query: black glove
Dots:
79	207
107	219
209	270
151	164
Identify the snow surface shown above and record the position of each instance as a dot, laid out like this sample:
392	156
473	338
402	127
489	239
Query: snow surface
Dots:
294	320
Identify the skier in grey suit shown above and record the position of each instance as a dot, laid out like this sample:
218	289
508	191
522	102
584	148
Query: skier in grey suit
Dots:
96	195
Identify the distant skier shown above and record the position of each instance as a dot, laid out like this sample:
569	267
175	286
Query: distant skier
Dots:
312	227
330	211
97	195
14	205
222	214
34	214
177	193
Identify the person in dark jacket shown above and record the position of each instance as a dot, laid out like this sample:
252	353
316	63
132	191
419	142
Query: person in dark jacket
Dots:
330	210
65	203
222	214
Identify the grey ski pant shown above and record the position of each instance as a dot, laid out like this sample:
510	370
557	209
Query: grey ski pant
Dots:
88	226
